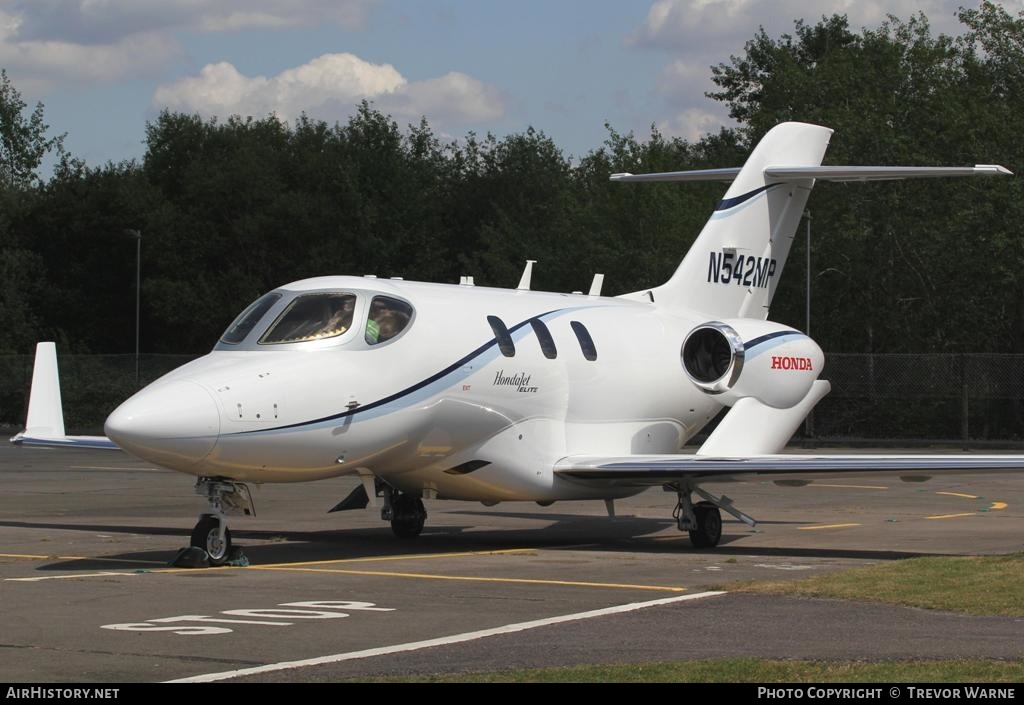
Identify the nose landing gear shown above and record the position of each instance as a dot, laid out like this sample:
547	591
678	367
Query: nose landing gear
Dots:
211	532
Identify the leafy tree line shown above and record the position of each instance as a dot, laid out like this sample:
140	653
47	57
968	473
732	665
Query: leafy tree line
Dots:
231	208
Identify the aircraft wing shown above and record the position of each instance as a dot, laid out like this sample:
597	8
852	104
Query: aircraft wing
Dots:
93	442
638	470
45	424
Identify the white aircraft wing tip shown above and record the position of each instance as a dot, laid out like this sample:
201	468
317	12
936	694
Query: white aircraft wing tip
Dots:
992	169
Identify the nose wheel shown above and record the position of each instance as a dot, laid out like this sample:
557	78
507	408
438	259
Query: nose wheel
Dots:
211	532
213	536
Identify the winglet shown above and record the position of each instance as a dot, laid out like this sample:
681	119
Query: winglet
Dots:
524	281
45	412
45	423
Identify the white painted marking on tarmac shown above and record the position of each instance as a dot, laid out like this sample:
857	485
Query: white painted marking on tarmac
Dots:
441	641
63	577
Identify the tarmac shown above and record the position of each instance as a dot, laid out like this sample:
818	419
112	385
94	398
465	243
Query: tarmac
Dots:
86	593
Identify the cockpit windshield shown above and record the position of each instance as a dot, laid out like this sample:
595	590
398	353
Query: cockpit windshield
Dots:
247	319
312	317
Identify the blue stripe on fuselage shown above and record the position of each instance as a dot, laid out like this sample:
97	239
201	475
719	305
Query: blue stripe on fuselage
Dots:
424	389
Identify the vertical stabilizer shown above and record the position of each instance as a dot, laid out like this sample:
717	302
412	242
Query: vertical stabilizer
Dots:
45	413
734	266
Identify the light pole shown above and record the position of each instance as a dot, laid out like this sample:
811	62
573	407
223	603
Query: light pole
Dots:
137	236
809	420
807	312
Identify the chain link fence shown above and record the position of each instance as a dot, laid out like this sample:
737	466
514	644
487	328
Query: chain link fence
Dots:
971	398
967	398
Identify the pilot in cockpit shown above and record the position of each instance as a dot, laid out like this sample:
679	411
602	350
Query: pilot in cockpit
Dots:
388	317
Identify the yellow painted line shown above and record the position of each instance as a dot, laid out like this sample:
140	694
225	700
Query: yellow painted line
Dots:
470	578
826	526
28	556
402	557
958	494
950	516
998	505
852	487
108	467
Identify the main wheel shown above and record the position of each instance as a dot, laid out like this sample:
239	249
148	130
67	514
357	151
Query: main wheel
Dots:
709	526
206	536
407	516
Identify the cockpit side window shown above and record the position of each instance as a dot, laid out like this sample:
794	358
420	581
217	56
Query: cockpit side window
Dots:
247	319
312	317
388	318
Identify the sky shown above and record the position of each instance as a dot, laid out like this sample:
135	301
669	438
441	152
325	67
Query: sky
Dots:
103	68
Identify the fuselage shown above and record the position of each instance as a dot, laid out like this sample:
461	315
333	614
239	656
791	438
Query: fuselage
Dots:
476	397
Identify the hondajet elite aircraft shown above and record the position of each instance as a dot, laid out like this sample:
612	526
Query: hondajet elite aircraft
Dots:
492	395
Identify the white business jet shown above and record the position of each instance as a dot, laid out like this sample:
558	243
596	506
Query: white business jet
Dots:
444	391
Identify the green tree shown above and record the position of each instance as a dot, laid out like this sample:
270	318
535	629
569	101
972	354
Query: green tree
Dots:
929	265
23	141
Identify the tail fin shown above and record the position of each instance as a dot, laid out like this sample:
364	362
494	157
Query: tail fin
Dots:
734	266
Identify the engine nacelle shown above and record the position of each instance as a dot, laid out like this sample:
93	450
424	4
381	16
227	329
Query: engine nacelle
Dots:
742	357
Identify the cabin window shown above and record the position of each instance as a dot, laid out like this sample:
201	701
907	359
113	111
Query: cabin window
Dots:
547	343
586	342
501	334
312	317
247	319
388	318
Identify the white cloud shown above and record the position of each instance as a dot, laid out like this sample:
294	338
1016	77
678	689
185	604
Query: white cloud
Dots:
328	87
452	97
45	44
688	25
40	66
692	124
683	79
701	33
102	21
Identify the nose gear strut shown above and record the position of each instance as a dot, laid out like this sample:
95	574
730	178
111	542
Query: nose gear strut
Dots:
225	497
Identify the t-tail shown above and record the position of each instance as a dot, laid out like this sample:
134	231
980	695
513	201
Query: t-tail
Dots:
734	266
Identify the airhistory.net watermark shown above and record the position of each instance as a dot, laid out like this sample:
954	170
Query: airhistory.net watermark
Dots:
49	693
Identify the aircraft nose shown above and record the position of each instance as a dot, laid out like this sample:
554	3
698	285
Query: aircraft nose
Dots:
174	424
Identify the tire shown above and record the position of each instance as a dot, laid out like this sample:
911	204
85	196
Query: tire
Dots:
204	536
408	516
709	526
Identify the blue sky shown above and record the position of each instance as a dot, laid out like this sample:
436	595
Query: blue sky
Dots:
103	68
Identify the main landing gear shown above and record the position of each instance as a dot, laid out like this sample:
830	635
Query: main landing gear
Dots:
211	532
703	521
405	512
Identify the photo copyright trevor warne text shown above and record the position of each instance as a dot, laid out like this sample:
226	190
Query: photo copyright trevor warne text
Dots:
908	692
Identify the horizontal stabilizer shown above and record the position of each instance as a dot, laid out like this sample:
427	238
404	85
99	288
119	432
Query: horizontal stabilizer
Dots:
822	173
881	173
722	175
